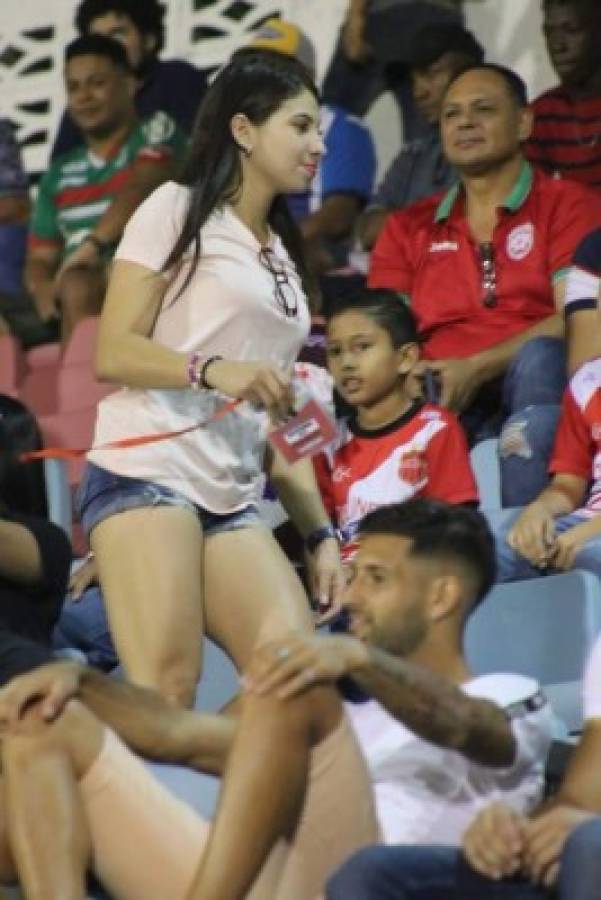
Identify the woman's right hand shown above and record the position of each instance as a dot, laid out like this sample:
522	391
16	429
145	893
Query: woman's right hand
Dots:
260	383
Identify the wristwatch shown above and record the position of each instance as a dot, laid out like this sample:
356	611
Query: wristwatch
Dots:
313	540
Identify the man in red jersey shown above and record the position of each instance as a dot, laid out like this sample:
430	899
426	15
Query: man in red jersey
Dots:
484	267
566	137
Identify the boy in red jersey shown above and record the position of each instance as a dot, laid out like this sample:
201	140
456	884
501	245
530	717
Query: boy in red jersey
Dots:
390	447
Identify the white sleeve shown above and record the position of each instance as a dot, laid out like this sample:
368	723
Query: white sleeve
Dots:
154	227
592	683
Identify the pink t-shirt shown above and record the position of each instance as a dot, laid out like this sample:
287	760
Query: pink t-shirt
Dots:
230	309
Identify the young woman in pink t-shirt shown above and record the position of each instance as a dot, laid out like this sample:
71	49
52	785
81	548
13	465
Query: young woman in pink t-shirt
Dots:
207	302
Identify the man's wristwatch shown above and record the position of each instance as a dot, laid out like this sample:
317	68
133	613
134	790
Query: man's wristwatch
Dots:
313	540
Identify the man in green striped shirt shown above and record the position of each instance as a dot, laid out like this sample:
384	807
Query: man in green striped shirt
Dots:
87	195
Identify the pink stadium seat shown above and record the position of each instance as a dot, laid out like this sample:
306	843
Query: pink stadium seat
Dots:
39	387
78	387
55	382
82	344
73	428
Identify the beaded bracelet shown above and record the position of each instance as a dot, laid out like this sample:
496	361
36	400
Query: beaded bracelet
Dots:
195	371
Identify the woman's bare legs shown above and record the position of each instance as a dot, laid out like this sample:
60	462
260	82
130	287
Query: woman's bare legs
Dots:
252	593
150	569
47	826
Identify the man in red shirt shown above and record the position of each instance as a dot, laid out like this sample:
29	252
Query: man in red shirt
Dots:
484	267
566	137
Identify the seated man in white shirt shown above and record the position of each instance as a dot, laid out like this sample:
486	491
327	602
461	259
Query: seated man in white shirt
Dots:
556	852
440	744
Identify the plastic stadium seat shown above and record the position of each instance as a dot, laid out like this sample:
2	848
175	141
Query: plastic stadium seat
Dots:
484	458
58	494
74	428
77	385
82	343
38	389
544	628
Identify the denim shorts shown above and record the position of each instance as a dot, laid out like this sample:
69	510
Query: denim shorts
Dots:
102	494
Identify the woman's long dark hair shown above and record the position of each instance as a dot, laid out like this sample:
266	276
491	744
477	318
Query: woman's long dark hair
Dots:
255	83
22	486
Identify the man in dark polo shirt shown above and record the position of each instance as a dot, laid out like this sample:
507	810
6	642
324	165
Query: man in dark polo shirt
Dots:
172	86
484	267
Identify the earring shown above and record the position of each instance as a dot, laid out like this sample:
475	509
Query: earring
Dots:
247	151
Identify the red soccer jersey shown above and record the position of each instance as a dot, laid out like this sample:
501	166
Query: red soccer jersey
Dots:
427	252
577	448
424	453
566	138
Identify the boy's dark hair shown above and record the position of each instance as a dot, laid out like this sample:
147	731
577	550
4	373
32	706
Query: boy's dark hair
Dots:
98	45
440	530
147	16
386	309
515	84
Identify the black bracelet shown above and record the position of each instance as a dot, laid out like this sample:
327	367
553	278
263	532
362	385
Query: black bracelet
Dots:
202	380
313	540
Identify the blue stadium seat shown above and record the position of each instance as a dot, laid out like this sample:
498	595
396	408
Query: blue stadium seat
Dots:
58	494
484	458
543	628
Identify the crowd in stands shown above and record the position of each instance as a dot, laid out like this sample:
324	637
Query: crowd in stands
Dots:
228	241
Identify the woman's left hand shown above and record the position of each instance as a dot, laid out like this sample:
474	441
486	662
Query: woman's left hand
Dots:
326	578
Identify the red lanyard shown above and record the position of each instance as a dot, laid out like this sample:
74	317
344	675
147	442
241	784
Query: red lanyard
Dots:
124	443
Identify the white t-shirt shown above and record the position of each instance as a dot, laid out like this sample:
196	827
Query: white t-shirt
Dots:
591	688
228	309
427	794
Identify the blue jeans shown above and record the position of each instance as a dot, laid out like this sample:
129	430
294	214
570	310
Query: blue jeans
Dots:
524	407
511	566
102	493
532	391
441	873
83	624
